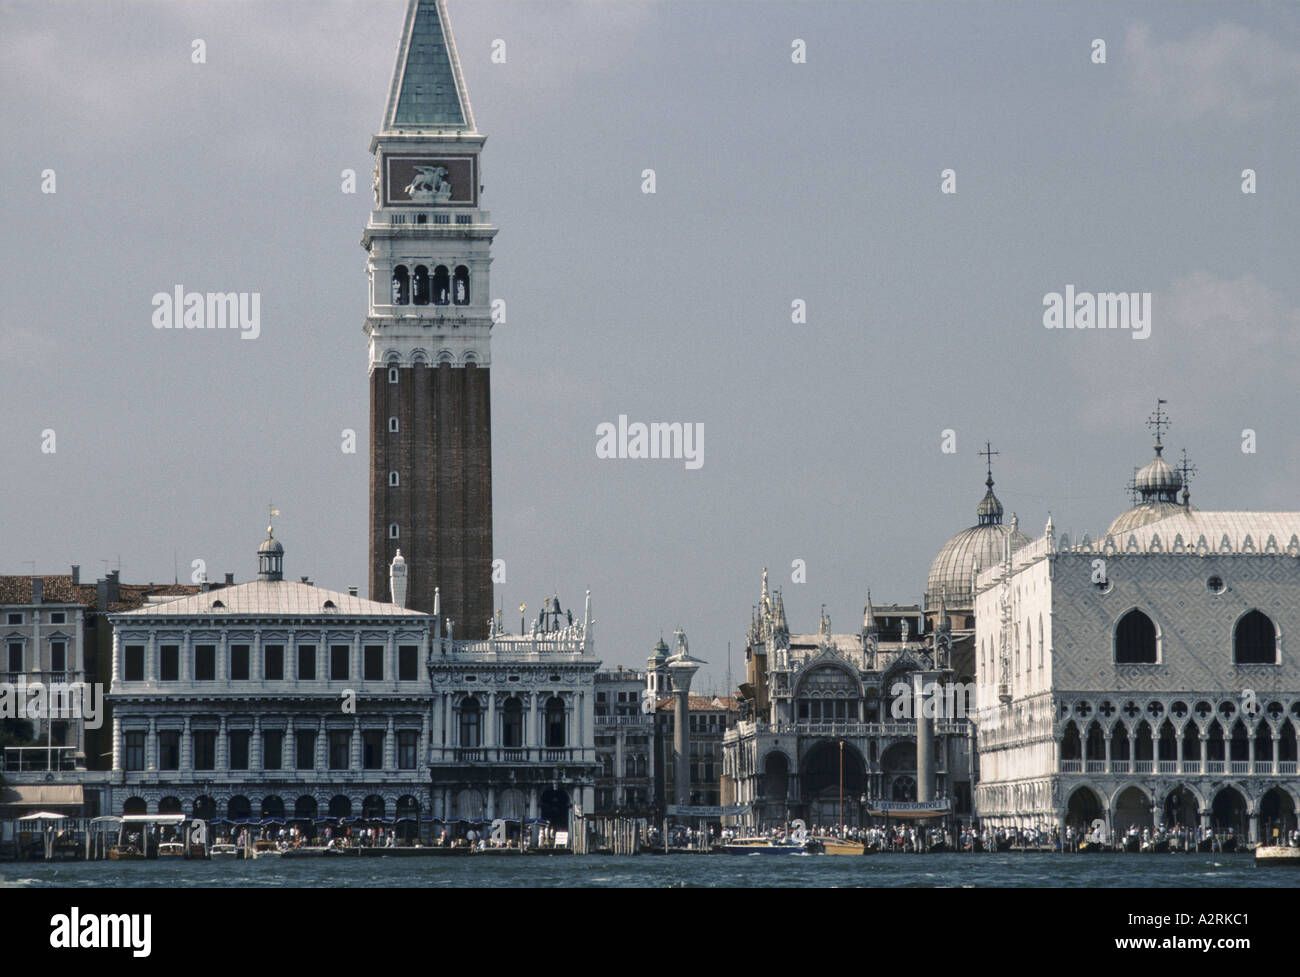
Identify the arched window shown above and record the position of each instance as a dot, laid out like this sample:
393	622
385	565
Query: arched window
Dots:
827	694
392	479
393	531
461	289
392	374
1135	640
1254	640
512	723
441	286
555	722
392	425
470	727
401	285
420	286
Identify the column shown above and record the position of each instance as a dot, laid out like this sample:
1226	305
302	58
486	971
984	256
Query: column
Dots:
1108	738
422	757
390	747
531	728
924	740
256	659
289	761
390	661
322	745
117	735
151	672
1250	755
1277	743
1179	740
355	674
223	747
255	745
490	732
186	653
354	759
187	748
151	745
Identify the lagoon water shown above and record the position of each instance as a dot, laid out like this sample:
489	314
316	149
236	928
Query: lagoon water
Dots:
1009	869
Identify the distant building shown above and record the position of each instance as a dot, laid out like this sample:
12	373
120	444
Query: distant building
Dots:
514	720
1143	678
272	698
625	751
819	736
56	632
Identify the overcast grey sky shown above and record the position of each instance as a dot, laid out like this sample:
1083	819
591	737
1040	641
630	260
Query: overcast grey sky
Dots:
775	181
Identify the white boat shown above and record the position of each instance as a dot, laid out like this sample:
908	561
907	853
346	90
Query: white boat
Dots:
224	850
266	849
1277	855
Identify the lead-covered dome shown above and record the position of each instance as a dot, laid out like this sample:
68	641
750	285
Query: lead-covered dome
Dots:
1156	486
983	544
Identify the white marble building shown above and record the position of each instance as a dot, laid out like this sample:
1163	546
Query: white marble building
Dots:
514	720
1144	677
271	698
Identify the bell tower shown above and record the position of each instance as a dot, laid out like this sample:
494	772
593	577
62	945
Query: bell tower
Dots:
428	249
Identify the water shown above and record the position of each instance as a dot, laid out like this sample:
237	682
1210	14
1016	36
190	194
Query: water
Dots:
1008	870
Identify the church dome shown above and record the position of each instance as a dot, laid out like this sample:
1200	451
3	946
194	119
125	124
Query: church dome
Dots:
1156	486
950	573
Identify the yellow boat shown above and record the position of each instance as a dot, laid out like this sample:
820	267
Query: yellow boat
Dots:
842	846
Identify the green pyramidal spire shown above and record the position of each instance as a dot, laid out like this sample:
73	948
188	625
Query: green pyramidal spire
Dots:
428	91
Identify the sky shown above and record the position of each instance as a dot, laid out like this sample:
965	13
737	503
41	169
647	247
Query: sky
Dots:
775	182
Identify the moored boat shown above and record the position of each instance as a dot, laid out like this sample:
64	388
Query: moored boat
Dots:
769	846
841	846
170	850
1277	855
224	850
264	848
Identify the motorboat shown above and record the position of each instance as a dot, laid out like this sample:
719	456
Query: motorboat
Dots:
224	850
264	848
170	850
1277	855
771	846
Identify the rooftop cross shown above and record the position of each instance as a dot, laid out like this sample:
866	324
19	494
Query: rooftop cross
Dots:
988	454
1158	420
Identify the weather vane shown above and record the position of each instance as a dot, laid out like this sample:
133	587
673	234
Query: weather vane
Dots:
1159	421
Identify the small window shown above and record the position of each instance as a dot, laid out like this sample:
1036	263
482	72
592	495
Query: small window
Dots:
239	663
374	663
393	531
58	617
58	656
392	479
274	658
306	663
205	663
16	618
1215	585
339	655
239	739
392	425
408	658
169	663
392	374
134	664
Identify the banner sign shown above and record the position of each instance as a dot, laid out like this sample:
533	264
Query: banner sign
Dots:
911	807
697	811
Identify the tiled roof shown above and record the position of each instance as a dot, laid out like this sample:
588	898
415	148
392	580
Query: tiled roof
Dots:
58	588
273	597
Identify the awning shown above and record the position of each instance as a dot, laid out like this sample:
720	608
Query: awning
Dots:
43	816
42	795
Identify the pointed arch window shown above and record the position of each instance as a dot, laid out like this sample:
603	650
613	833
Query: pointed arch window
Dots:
1135	640
1254	640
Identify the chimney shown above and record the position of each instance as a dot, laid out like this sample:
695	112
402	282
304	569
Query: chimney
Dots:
114	590
305	580
230	579
352	591
38	589
204	586
76	575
